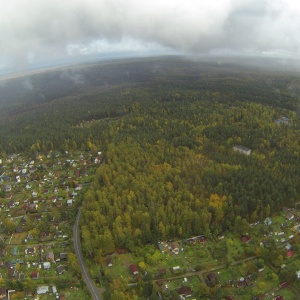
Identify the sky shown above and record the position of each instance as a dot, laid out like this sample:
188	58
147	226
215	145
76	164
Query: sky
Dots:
51	32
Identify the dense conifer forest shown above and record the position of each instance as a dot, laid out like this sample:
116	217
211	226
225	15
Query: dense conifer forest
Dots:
167	128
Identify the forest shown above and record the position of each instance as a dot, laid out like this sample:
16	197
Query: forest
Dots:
167	128
171	172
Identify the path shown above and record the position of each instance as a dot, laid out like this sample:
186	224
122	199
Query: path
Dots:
96	295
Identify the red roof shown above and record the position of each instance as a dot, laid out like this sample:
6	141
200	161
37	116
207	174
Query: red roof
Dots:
185	290
245	238
121	251
202	239
133	269
34	275
283	285
278	298
289	253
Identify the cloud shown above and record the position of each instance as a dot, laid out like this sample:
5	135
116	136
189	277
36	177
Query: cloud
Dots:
41	30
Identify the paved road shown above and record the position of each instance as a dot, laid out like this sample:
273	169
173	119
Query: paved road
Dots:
84	271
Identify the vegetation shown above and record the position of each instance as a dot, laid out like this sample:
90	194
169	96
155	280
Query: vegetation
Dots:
168	130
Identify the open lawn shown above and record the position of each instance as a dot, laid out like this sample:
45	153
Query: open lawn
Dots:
70	294
18	238
192	282
235	249
287	294
199	257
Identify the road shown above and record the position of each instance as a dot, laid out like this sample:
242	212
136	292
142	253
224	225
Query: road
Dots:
96	295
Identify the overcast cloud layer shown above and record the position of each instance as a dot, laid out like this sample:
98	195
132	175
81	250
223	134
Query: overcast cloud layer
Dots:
48	30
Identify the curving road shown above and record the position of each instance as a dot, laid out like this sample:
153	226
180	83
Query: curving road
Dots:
84	271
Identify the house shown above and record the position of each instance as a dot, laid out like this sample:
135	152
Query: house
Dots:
23	221
97	160
38	217
176	269
15	251
268	222
59	233
161	272
109	262
42	289
289	253
242	149
19	229
298	274
2	293
30	250
288	247
47	265
241	283
60	270
44	236
282	120
50	256
245	238
34	194
34	275
161	246
32	207
221	236
289	216
279	297
134	269
63	256
69	202
78	187
202	239
185	291
28	293
7	188
174	247
211	278
283	285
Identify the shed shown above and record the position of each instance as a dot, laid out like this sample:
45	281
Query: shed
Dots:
242	149
134	269
42	289
2	293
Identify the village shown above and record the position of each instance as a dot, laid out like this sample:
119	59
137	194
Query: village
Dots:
39	200
262	263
